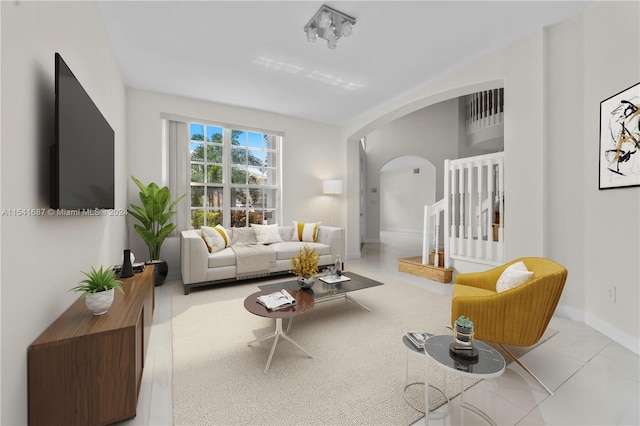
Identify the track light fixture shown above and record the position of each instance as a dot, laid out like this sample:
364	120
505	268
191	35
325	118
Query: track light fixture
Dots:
329	24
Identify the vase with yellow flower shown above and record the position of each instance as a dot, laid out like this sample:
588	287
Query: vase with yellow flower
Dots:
305	266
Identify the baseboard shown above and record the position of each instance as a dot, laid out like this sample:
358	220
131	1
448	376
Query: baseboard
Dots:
625	339
622	337
403	230
569	312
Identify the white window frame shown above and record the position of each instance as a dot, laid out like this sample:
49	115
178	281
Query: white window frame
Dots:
227	165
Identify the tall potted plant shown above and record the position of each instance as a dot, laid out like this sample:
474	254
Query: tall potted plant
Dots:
154	227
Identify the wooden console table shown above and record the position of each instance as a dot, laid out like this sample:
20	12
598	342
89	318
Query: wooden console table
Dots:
85	369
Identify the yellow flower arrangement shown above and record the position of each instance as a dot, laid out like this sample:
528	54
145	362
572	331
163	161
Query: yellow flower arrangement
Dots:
305	264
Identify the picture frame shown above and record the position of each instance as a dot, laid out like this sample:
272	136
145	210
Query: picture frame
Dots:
619	154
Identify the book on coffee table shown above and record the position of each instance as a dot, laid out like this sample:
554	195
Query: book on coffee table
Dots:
331	279
277	300
417	338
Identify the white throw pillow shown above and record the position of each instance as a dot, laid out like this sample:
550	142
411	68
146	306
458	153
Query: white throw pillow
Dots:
305	231
267	234
513	276
216	238
243	235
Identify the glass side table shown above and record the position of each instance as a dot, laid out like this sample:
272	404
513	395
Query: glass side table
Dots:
488	365
412	349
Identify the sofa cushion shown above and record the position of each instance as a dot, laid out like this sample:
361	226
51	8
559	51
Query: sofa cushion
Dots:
267	234
288	249
243	236
286	232
225	257
215	239
305	231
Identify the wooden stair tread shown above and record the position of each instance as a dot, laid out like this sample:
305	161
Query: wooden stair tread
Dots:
413	265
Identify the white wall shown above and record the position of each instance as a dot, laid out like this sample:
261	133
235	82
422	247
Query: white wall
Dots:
42	256
611	218
565	170
554	81
403	195
311	153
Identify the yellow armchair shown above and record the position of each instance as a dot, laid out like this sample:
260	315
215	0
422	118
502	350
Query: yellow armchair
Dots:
518	316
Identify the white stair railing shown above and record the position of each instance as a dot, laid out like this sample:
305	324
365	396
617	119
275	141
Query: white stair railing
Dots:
474	195
431	240
472	213
484	109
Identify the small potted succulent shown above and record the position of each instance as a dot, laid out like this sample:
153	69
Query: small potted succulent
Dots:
98	289
463	333
305	265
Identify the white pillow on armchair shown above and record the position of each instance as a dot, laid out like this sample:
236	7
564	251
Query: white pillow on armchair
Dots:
513	276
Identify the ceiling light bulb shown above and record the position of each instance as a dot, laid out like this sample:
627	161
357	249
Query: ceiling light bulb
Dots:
332	43
325	20
312	34
347	29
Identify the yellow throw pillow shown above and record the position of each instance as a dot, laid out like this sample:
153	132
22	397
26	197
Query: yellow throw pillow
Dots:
216	238
305	231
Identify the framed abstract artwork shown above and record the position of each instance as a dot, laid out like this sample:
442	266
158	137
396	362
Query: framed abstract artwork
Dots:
620	139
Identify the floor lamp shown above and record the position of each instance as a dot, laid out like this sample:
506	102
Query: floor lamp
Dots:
332	187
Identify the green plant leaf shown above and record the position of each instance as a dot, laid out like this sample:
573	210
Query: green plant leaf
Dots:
154	215
97	281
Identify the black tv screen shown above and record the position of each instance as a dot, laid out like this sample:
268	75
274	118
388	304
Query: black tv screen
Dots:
82	158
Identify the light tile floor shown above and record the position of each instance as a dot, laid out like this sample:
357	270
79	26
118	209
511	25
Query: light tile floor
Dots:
595	380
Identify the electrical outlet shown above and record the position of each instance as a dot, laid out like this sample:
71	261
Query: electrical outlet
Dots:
612	293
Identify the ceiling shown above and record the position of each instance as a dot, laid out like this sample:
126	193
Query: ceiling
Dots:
255	54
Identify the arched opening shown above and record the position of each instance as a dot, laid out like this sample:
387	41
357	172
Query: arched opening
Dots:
432	127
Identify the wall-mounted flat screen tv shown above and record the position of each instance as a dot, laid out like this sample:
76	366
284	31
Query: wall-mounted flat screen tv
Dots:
82	157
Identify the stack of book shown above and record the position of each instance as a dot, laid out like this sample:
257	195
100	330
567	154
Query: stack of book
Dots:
417	338
277	300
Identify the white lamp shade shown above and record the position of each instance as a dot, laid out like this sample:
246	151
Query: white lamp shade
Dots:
332	187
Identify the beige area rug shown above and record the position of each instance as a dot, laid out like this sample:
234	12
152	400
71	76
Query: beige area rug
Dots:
357	375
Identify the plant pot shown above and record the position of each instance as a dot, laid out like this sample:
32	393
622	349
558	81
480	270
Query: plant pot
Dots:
305	283
99	303
463	337
161	271
464	334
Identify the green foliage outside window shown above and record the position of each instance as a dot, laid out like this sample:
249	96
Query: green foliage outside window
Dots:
253	156
213	218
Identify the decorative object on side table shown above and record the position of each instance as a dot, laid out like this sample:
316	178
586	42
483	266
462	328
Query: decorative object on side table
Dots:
305	265
462	346
98	289
154	215
417	338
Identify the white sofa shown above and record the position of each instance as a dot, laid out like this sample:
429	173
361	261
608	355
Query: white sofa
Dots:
201	268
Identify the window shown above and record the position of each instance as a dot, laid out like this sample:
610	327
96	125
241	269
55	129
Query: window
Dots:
234	176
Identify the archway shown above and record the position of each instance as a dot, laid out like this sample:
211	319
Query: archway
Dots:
428	97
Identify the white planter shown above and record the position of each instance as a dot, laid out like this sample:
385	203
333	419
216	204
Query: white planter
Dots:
305	283
99	303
